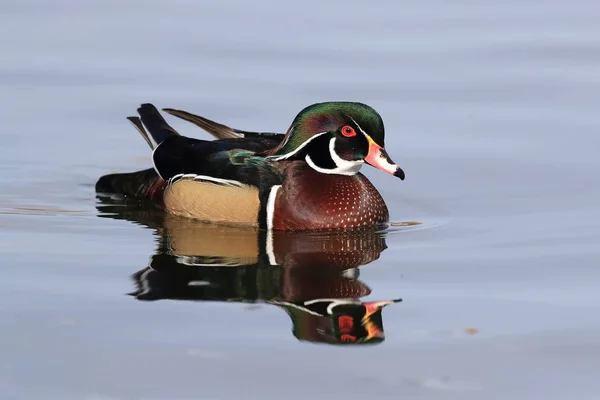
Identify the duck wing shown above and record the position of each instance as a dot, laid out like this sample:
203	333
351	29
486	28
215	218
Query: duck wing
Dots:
218	130
229	161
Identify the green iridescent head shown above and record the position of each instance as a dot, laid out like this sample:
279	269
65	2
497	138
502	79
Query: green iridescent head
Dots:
337	138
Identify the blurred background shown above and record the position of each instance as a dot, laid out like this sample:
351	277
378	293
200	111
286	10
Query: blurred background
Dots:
489	107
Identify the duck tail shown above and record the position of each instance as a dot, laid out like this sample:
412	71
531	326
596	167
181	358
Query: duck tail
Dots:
137	123
145	184
157	130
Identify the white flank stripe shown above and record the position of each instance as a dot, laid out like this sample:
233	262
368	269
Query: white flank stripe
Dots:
270	214
359	127
270	251
271	205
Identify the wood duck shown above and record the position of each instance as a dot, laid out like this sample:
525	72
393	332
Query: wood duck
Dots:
305	179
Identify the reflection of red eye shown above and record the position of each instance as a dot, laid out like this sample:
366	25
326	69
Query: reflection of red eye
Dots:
348	131
348	338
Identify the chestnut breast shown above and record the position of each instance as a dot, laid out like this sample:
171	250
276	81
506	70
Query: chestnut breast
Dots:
312	200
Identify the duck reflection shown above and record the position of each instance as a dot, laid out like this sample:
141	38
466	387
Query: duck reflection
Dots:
312	277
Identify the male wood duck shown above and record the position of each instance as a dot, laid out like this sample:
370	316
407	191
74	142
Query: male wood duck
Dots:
305	179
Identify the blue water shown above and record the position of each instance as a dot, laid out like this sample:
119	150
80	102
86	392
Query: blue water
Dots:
490	108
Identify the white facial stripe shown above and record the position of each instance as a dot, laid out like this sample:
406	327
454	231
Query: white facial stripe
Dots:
296	306
288	155
314	166
334	303
343	167
350	167
359	128
287	138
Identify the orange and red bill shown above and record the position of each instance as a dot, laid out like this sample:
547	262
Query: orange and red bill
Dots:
379	158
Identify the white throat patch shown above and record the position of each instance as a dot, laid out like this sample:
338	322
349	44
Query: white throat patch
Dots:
343	167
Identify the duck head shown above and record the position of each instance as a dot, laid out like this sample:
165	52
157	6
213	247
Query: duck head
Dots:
337	138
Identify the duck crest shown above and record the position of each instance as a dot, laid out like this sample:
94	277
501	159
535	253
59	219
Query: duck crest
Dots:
320	118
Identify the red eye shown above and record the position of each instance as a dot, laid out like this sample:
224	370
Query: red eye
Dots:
348	131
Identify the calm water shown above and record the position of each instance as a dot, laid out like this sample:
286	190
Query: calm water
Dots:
491	108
